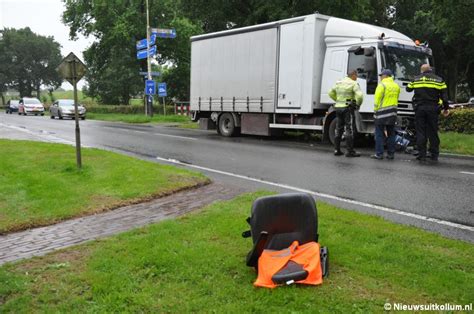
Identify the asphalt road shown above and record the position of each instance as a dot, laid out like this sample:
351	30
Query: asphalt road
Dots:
437	197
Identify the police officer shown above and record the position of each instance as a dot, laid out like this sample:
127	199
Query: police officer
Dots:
430	90
348	97
385	114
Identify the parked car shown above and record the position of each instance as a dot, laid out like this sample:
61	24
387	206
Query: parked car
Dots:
30	106
65	108
471	101
12	106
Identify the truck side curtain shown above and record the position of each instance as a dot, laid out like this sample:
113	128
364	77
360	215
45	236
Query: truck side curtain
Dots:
306	255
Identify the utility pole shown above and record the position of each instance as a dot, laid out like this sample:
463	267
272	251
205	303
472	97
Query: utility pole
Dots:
149	109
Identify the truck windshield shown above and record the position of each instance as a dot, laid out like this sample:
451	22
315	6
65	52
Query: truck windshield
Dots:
404	63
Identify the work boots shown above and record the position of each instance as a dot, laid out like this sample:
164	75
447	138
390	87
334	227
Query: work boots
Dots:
337	144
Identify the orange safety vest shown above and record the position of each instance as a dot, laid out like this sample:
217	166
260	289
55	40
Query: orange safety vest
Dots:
307	255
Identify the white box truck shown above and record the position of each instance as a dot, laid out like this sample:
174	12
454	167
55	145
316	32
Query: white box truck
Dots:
274	76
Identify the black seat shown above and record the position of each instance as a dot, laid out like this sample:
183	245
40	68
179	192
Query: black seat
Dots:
276	221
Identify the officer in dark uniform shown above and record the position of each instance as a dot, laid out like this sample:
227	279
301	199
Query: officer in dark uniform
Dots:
430	91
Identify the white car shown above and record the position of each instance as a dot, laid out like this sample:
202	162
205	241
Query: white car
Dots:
62	108
30	106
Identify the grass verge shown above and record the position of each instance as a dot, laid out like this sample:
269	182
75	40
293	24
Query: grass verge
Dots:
140	118
457	143
41	184
196	264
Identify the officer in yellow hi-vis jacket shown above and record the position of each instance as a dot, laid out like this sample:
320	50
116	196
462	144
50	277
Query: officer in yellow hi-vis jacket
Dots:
348	97
385	114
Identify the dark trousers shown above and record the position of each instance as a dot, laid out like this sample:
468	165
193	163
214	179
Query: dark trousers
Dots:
380	139
426	124
345	120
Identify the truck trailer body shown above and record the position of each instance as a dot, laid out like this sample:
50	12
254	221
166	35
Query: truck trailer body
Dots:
277	75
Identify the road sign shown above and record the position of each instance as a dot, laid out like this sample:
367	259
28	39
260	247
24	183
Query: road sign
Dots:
164	32
141	44
71	68
150	87
152	73
142	53
162	90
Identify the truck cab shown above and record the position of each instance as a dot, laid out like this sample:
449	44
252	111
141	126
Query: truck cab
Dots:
369	49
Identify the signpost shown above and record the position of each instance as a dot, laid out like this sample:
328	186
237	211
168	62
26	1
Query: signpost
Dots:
164	32
145	49
152	73
162	93
150	87
72	69
142	44
142	54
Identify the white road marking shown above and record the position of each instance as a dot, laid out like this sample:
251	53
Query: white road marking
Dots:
466	172
324	195
176	136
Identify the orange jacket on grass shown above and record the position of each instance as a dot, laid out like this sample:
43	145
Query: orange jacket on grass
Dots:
307	255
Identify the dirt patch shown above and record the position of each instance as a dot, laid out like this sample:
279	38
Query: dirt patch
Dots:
71	257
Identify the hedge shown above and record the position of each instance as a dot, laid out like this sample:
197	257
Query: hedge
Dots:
127	109
459	120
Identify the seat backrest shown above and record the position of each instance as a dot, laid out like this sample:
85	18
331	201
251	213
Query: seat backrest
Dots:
286	218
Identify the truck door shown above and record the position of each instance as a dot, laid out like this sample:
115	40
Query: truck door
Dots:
290	66
364	60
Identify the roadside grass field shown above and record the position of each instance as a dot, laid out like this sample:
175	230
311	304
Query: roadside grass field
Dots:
196	264
40	183
141	118
458	143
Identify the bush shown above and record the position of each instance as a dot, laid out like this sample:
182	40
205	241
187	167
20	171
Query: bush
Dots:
115	109
459	120
126	109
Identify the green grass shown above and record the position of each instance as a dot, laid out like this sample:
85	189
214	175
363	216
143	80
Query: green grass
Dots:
196	264
140	118
457	143
40	183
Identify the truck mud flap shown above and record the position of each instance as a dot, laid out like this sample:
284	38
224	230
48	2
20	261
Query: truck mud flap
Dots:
255	124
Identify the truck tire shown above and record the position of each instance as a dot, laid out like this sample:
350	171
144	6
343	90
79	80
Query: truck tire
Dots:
358	139
226	125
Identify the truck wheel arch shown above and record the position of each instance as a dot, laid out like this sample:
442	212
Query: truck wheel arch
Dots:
331	116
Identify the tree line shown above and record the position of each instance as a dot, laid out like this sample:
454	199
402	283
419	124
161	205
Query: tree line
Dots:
447	26
116	25
28	62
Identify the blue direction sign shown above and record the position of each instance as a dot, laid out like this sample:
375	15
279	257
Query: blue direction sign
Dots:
141	44
150	87
162	90
152	73
142	54
164	32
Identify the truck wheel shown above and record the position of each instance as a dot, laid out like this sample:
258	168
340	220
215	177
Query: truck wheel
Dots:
226	125
332	134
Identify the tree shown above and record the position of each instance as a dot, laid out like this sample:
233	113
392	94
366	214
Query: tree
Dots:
28	61
113	68
448	28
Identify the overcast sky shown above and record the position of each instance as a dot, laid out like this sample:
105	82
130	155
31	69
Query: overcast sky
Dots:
43	17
